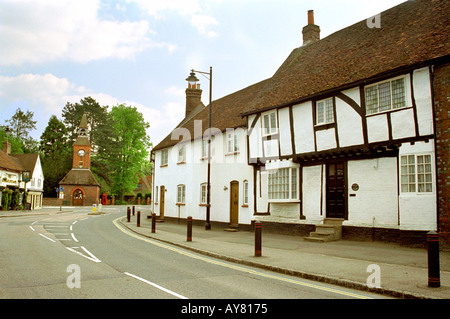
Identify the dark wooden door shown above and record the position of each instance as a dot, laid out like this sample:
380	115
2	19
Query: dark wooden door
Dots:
336	190
77	198
161	201
234	203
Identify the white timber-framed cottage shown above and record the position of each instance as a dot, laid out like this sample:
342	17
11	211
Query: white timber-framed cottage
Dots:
353	127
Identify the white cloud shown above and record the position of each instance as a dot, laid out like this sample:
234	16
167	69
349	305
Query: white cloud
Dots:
42	31
202	23
46	95
191	8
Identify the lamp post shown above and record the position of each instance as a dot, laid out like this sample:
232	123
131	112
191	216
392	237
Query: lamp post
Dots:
192	79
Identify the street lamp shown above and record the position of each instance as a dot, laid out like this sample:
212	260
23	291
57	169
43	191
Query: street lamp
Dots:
192	79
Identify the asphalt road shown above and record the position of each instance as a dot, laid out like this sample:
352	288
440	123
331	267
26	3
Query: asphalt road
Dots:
79	256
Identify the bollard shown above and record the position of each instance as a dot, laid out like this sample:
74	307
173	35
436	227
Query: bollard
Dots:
258	239
434	280
133	210
128	214
189	228
138	218
153	223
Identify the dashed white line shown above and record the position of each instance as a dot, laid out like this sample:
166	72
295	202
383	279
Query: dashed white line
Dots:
156	286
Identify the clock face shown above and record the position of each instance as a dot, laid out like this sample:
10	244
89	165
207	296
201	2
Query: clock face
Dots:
81	152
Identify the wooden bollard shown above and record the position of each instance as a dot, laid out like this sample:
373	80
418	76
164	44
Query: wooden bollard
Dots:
258	240
189	228
133	210
434	278
128	214
138	218
153	223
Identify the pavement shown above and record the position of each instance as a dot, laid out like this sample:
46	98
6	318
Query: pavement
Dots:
352	264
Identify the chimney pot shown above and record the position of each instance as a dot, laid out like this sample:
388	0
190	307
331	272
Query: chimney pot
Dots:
310	16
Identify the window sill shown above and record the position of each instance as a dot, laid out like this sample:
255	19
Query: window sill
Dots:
389	111
179	163
180	204
164	165
205	158
232	153
203	205
244	205
281	201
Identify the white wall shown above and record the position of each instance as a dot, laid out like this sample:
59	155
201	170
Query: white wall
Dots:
224	169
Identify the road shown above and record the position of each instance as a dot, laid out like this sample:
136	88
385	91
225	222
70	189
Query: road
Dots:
75	255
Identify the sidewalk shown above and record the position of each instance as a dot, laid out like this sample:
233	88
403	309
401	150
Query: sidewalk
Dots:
404	271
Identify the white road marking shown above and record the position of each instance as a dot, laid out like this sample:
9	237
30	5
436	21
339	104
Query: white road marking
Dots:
73	236
47	238
91	257
32	228
156	286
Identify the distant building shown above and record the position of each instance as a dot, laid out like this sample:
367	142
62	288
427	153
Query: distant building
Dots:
22	172
79	186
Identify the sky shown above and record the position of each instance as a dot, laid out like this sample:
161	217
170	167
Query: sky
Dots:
139	52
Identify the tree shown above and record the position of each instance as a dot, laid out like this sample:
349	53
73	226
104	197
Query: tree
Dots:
130	148
56	155
21	124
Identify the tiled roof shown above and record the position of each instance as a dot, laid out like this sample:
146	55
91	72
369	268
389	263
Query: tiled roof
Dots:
10	163
28	161
79	177
410	33
225	113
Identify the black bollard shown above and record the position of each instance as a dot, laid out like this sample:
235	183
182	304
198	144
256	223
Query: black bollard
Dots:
138	218
153	223
258	239
434	280
128	214
133	210
189	228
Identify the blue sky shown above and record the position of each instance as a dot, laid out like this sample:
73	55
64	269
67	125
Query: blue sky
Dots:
140	52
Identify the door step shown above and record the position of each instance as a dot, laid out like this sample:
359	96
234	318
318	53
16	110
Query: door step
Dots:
330	230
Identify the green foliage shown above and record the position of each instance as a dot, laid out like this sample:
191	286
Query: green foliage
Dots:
56	154
21	123
131	148
6	199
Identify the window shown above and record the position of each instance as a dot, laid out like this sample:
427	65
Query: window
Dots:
232	142
270	123
181	154
181	194
164	157
245	193
205	146
324	111
385	96
283	184
203	193
416	175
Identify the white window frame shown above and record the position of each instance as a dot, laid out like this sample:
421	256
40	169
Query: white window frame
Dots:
164	157
391	106
203	193
181	157
245	193
232	142
181	194
270	126
416	175
283	184
325	106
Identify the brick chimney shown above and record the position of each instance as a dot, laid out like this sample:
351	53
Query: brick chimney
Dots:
311	32
193	94
7	147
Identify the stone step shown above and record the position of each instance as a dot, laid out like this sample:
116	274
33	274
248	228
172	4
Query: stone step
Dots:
333	221
315	239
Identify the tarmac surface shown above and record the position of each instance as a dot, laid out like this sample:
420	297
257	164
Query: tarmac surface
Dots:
352	264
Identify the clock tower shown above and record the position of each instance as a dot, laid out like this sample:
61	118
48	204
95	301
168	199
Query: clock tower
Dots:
82	146
79	187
